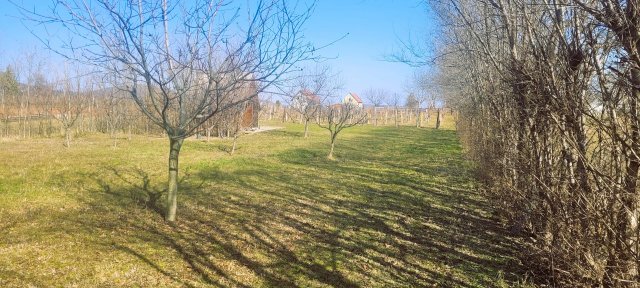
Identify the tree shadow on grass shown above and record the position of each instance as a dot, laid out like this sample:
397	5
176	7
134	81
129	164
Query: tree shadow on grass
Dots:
397	210
132	186
201	239
450	220
390	233
136	185
214	249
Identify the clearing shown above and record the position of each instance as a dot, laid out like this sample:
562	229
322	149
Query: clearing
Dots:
398	208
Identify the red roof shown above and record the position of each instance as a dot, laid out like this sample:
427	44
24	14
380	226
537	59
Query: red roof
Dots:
310	96
356	97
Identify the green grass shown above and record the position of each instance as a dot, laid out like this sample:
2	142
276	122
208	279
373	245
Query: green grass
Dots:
397	209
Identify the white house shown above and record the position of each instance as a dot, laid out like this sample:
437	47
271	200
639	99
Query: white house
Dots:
353	99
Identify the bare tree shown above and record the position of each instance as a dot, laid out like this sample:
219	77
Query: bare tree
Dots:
43	101
430	91
309	91
237	119
413	103
9	89
394	100
235	125
70	102
182	62
31	68
337	117
114	112
307	104
377	98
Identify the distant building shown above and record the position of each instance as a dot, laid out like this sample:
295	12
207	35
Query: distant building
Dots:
352	99
251	113
304	100
244	114
249	109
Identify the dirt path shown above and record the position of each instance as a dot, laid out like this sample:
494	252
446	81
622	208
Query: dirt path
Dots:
263	129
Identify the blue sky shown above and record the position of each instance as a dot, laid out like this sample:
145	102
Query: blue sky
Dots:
373	29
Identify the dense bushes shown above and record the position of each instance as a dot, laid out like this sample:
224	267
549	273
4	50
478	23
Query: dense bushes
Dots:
548	93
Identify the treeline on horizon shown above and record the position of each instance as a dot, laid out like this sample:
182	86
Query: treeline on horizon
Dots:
74	105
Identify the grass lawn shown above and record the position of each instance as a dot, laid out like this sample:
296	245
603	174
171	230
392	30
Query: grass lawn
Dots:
397	209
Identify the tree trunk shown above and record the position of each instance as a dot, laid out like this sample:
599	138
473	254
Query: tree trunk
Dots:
375	117
28	120
271	113
91	116
235	141
172	193
67	137
22	118
114	138
396	118
333	144
438	119
621	262
50	126
306	128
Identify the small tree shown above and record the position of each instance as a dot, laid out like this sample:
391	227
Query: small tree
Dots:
429	86
310	91
69	104
307	103
415	102
394	100
337	117
9	82
235	125
114	114
376	97
9	88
